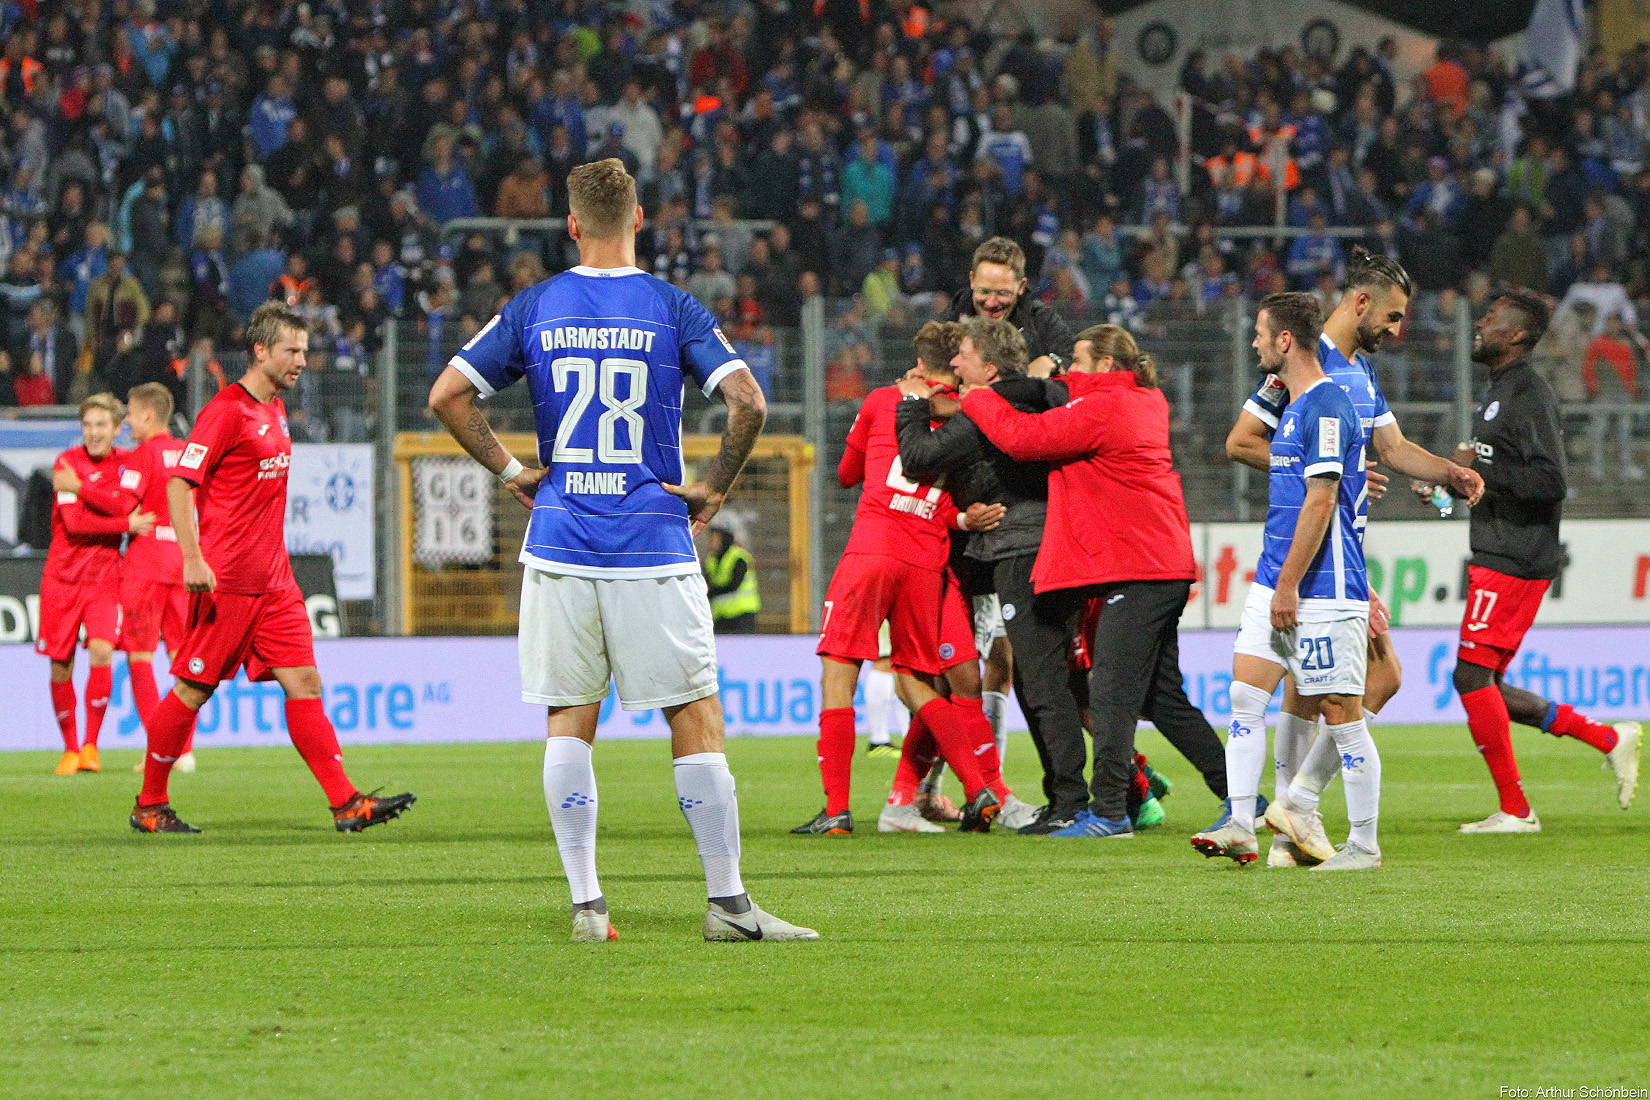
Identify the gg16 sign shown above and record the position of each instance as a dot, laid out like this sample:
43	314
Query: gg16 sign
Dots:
453	500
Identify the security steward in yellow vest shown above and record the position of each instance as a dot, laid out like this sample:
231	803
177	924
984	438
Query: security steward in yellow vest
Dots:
730	577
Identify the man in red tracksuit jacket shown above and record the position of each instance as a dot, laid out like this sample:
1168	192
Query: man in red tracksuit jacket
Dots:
1116	529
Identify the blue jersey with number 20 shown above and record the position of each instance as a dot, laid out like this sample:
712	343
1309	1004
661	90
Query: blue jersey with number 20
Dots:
605	352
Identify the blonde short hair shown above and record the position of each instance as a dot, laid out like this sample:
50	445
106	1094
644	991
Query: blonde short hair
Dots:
154	397
108	402
602	195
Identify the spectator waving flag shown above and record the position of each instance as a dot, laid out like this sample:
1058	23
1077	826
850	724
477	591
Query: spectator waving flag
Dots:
1552	49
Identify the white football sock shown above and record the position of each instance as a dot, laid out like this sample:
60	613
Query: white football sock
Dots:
1319	769
1290	743
570	795
995	705
1361	771
934	780
879	692
705	791
1246	751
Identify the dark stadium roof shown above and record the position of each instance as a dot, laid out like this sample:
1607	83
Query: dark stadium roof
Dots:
1481	20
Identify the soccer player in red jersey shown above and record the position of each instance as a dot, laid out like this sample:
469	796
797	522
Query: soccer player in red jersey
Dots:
245	609
894	569
1518	446
81	583
153	602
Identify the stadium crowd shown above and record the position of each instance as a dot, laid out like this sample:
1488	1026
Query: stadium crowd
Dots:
170	164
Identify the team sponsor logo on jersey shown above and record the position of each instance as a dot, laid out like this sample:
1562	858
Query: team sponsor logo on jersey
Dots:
1282	460
1329	437
274	466
1493	410
193	456
129	479
67	498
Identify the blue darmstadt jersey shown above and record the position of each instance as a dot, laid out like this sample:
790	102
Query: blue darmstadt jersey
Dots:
1319	433
605	352
1356	376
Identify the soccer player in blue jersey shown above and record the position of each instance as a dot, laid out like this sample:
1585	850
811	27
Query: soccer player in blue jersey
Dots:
612	586
1308	611
1373	307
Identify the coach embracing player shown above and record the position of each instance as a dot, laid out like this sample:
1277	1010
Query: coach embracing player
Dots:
997	289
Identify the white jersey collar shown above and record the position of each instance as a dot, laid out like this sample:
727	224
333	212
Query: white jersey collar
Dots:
605	272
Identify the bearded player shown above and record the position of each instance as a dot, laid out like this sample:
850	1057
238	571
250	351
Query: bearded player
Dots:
1371	308
81	583
245	609
153	603
895	569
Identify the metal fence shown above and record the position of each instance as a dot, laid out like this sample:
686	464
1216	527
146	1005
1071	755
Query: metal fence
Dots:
816	374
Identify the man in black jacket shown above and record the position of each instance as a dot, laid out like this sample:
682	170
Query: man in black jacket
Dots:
997	288
1518	448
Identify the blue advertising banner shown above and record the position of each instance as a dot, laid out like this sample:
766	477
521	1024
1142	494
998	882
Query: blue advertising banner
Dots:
389	690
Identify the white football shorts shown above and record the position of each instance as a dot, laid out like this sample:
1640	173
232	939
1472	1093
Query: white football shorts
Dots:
651	635
1325	658
988	622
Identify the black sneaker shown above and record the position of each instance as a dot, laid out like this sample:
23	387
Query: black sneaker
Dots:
159	819
980	812
841	824
365	810
1051	821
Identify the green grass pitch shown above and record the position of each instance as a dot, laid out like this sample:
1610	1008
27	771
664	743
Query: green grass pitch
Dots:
273	957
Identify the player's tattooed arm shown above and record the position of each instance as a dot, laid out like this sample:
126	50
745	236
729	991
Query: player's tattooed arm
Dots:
747	412
453	401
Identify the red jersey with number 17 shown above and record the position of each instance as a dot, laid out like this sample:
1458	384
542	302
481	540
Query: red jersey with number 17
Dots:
237	458
896	516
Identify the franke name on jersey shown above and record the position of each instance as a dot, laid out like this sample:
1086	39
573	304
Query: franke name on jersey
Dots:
610	484
597	339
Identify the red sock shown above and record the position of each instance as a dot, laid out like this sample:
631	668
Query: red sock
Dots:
1492	733
312	735
1142	785
984	744
144	693
63	704
917	754
168	728
836	756
98	684
959	741
1582	728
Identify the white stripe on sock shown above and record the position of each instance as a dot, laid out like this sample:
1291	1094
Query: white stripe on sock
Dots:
709	801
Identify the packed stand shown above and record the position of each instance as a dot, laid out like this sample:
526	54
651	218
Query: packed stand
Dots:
168	166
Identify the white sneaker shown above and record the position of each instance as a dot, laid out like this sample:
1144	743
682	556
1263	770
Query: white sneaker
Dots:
590	926
1230	841
186	762
722	926
1285	818
1502	822
1624	760
905	819
1016	813
1351	857
1283	853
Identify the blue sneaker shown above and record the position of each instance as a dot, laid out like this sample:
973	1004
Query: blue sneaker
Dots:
1086	824
1226	812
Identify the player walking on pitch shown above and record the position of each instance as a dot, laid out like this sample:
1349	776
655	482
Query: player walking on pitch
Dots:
612	586
1515	555
153	602
1308	611
245	609
81	582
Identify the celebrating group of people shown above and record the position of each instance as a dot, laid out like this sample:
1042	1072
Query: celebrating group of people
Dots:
1037	499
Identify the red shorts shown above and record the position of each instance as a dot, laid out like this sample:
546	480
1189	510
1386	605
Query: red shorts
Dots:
228	630
64	608
930	624
1500	610
150	610
1080	657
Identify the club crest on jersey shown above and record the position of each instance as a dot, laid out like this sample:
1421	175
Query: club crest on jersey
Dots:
284	429
1288	428
196	665
1493	410
947	651
193	456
